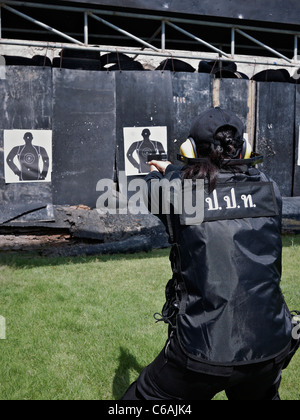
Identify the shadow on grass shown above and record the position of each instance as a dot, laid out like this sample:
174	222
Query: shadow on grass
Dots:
121	382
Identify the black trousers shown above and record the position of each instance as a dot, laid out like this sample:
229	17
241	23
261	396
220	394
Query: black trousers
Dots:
173	376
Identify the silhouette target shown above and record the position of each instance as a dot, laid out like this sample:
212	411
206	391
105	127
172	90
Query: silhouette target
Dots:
138	152
26	98
144	101
28	162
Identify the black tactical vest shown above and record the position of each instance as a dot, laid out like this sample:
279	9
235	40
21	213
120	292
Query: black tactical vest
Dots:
225	297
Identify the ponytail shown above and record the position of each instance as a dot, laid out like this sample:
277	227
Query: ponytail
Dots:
229	148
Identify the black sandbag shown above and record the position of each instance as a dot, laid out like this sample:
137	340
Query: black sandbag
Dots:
175	66
81	53
17	61
114	57
280	75
119	61
77	64
227	74
41	61
127	66
213	67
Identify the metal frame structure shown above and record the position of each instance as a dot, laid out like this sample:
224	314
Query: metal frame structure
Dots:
147	48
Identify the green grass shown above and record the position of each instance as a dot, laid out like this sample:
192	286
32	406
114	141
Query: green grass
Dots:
83	328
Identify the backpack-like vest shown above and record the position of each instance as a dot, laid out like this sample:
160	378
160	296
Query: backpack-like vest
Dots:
224	300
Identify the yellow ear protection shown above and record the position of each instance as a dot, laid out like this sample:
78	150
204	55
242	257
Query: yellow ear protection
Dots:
189	149
188	153
247	150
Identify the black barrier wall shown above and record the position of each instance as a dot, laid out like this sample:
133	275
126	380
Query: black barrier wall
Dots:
297	146
61	131
26	106
275	132
84	121
192	93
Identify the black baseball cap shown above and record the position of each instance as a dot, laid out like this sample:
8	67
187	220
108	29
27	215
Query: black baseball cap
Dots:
206	125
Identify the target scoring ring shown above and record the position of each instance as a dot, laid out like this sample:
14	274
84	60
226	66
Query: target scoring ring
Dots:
29	158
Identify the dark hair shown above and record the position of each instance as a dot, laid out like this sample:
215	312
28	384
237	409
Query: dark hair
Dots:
228	147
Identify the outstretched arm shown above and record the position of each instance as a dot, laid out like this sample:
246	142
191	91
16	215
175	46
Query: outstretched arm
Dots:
159	166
